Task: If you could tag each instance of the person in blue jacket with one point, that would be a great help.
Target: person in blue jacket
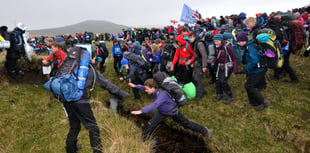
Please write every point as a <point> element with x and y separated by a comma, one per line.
<point>166,107</point>
<point>255,74</point>
<point>117,56</point>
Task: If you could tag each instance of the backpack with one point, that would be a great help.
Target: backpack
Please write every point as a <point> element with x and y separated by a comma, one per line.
<point>210,49</point>
<point>230,40</point>
<point>70,81</point>
<point>296,35</point>
<point>139,61</point>
<point>270,51</point>
<point>17,41</point>
<point>167,54</point>
<point>171,86</point>
<point>103,49</point>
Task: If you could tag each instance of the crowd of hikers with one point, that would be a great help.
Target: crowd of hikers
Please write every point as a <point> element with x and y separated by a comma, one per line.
<point>168,63</point>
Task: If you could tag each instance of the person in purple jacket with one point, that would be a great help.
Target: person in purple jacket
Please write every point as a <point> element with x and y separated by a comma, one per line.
<point>225,62</point>
<point>166,107</point>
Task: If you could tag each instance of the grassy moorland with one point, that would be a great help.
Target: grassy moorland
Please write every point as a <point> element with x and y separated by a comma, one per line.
<point>31,122</point>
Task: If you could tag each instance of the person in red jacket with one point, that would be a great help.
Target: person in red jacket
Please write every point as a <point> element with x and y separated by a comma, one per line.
<point>184,56</point>
<point>57,56</point>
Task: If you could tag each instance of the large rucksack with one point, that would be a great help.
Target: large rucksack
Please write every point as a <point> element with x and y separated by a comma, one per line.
<point>230,40</point>
<point>296,35</point>
<point>171,86</point>
<point>17,41</point>
<point>269,49</point>
<point>104,52</point>
<point>70,81</point>
<point>167,54</point>
<point>138,61</point>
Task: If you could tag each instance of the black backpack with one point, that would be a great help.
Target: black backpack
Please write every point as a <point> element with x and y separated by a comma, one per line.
<point>171,86</point>
<point>17,41</point>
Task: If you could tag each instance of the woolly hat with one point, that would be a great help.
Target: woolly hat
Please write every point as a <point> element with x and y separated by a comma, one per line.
<point>4,28</point>
<point>218,37</point>
<point>242,16</point>
<point>242,37</point>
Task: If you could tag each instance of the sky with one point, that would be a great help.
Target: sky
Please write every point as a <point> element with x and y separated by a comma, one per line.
<point>42,14</point>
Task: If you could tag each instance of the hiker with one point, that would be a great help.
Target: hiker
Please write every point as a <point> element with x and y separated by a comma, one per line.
<point>102,54</point>
<point>137,71</point>
<point>57,57</point>
<point>200,64</point>
<point>15,52</point>
<point>226,62</point>
<point>255,81</point>
<point>156,58</point>
<point>184,57</point>
<point>166,107</point>
<point>81,112</point>
<point>117,55</point>
<point>48,41</point>
<point>146,52</point>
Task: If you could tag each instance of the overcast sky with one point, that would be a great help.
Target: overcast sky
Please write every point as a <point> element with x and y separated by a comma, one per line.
<point>41,14</point>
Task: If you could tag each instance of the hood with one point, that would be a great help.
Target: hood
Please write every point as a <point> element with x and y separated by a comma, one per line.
<point>181,39</point>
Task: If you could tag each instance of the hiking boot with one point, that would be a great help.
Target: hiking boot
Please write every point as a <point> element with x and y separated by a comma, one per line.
<point>198,98</point>
<point>20,72</point>
<point>218,98</point>
<point>208,135</point>
<point>266,103</point>
<point>260,107</point>
<point>228,100</point>
<point>228,97</point>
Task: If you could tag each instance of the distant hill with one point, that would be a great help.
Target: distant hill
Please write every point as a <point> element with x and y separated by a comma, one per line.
<point>96,26</point>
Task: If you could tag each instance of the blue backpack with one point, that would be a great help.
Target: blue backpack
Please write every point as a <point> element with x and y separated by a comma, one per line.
<point>70,81</point>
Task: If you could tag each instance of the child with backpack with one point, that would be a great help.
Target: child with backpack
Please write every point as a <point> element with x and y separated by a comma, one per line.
<point>117,55</point>
<point>137,69</point>
<point>255,74</point>
<point>156,58</point>
<point>184,56</point>
<point>166,107</point>
<point>226,62</point>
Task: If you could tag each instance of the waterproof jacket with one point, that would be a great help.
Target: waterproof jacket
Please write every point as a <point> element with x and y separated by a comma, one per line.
<point>252,58</point>
<point>116,50</point>
<point>184,52</point>
<point>59,57</point>
<point>162,102</point>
